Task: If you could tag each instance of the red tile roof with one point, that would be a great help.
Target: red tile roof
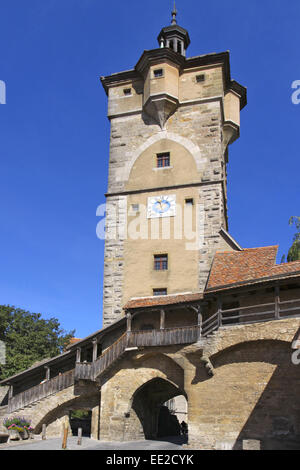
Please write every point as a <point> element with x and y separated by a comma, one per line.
<point>240,267</point>
<point>229,269</point>
<point>158,301</point>
<point>73,341</point>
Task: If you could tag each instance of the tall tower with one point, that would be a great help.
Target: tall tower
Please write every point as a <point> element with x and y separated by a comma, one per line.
<point>172,119</point>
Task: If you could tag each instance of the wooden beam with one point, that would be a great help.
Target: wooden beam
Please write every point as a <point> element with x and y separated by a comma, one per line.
<point>277,302</point>
<point>78,355</point>
<point>199,321</point>
<point>129,321</point>
<point>47,372</point>
<point>220,310</point>
<point>95,349</point>
<point>162,319</point>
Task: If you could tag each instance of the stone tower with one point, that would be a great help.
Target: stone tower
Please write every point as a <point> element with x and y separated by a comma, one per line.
<point>172,119</point>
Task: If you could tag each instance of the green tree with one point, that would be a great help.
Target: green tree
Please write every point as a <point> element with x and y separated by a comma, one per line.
<point>294,251</point>
<point>28,339</point>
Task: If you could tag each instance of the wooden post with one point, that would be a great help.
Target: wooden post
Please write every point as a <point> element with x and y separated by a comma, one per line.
<point>79,442</point>
<point>219,311</point>
<point>199,320</point>
<point>78,355</point>
<point>95,349</point>
<point>47,372</point>
<point>162,319</point>
<point>11,392</point>
<point>129,325</point>
<point>65,436</point>
<point>129,322</point>
<point>277,302</point>
<point>44,428</point>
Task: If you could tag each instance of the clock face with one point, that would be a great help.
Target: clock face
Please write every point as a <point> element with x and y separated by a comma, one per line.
<point>161,206</point>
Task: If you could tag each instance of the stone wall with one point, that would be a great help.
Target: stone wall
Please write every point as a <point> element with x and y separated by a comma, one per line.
<point>252,394</point>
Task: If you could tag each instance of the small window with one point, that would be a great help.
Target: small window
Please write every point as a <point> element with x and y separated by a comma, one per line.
<point>127,91</point>
<point>160,262</point>
<point>200,78</point>
<point>158,73</point>
<point>135,207</point>
<point>163,160</point>
<point>158,292</point>
<point>189,202</point>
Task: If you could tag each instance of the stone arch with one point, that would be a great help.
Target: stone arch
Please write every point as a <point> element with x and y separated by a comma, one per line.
<point>54,418</point>
<point>192,148</point>
<point>164,364</point>
<point>119,421</point>
<point>226,337</point>
<point>54,409</point>
<point>146,404</point>
<point>257,346</point>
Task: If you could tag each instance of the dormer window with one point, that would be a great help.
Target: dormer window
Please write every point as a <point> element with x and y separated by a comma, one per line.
<point>158,73</point>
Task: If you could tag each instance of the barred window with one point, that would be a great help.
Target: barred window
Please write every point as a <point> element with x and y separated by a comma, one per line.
<point>160,262</point>
<point>158,292</point>
<point>163,160</point>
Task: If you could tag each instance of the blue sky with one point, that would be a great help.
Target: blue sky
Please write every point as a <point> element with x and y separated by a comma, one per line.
<point>54,134</point>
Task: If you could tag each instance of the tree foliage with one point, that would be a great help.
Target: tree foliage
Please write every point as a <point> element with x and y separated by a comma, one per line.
<point>294,251</point>
<point>29,338</point>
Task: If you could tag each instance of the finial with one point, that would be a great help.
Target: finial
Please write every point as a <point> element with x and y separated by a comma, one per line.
<point>174,14</point>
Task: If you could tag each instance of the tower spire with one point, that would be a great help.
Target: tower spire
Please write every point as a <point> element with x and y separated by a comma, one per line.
<point>174,14</point>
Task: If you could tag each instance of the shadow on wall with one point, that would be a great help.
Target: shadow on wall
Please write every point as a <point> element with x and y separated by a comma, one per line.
<point>274,420</point>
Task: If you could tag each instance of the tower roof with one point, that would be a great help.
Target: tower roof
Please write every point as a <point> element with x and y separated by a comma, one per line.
<point>173,32</point>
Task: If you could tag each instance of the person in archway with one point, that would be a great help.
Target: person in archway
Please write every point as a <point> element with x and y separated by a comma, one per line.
<point>184,428</point>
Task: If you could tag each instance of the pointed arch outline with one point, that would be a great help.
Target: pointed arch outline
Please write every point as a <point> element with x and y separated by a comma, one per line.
<point>192,148</point>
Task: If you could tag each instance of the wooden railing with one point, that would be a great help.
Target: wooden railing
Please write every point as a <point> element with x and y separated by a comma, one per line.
<point>41,391</point>
<point>165,337</point>
<point>251,314</point>
<point>109,356</point>
<point>169,336</point>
